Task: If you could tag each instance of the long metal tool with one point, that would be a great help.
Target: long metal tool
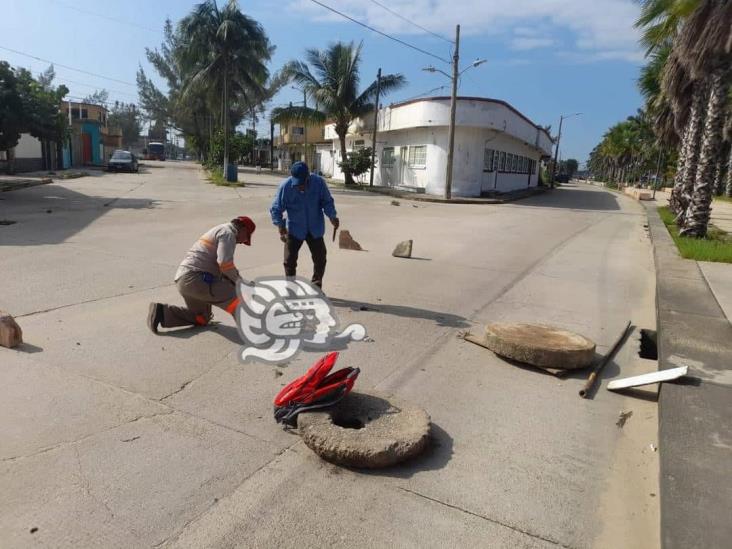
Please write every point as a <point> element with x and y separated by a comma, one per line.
<point>587,389</point>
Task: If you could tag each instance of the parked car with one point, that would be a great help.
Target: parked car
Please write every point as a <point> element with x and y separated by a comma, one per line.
<point>123,161</point>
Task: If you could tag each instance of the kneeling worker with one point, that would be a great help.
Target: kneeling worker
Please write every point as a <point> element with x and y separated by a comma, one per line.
<point>206,276</point>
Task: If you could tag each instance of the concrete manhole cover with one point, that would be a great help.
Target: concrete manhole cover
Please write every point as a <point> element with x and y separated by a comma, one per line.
<point>366,430</point>
<point>538,345</point>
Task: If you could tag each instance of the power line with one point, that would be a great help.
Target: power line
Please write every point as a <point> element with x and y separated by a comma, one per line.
<point>67,67</point>
<point>425,93</point>
<point>412,22</point>
<point>122,21</point>
<point>402,42</point>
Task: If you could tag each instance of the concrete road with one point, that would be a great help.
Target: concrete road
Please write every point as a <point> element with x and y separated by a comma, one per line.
<point>114,437</point>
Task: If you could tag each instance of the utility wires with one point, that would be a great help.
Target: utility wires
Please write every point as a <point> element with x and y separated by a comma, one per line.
<point>395,14</point>
<point>402,42</point>
<point>67,67</point>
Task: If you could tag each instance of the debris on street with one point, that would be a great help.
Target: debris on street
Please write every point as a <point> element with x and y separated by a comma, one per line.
<point>587,389</point>
<point>10,333</point>
<point>346,241</point>
<point>395,203</point>
<point>545,347</point>
<point>403,249</point>
<point>623,417</point>
<point>648,379</point>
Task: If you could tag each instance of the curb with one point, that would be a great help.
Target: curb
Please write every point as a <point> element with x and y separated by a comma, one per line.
<point>695,417</point>
<point>22,184</point>
<point>419,197</point>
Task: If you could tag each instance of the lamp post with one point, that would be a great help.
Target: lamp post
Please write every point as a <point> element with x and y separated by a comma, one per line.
<point>562,118</point>
<point>456,74</point>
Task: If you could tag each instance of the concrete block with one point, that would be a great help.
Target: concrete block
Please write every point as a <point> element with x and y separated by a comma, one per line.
<point>10,333</point>
<point>403,249</point>
<point>366,430</point>
<point>346,241</point>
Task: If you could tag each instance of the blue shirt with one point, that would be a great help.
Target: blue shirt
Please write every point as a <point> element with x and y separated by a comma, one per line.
<point>304,209</point>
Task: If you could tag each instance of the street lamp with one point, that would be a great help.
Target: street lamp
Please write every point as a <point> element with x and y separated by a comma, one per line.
<point>559,137</point>
<point>456,73</point>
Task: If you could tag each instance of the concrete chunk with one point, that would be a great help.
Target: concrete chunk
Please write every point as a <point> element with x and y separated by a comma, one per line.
<point>366,430</point>
<point>538,345</point>
<point>403,249</point>
<point>10,333</point>
<point>346,242</point>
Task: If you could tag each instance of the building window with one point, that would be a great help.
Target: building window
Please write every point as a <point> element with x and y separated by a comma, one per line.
<point>358,144</point>
<point>502,162</point>
<point>514,163</point>
<point>509,162</point>
<point>387,157</point>
<point>496,154</point>
<point>418,156</point>
<point>488,160</point>
<point>84,113</point>
<point>523,165</point>
<point>298,131</point>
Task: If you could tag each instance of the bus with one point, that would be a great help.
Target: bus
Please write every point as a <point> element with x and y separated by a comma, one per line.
<point>155,151</point>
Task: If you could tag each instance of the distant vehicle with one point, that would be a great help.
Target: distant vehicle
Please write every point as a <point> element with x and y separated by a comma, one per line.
<point>123,161</point>
<point>155,151</point>
<point>562,178</point>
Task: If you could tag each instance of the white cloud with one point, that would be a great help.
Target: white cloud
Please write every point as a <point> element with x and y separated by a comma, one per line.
<point>597,28</point>
<point>523,43</point>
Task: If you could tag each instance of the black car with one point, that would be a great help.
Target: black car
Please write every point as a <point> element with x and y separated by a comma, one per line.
<point>123,161</point>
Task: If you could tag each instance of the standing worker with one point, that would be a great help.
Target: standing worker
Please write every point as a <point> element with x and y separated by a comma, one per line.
<point>304,197</point>
<point>206,276</point>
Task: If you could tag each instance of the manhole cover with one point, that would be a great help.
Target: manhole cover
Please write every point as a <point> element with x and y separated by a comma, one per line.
<point>366,430</point>
<point>538,345</point>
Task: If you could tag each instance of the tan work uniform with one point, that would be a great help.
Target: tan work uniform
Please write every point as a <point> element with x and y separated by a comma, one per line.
<point>212,255</point>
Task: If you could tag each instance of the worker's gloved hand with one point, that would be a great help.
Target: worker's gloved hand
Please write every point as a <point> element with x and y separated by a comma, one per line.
<point>283,234</point>
<point>336,222</point>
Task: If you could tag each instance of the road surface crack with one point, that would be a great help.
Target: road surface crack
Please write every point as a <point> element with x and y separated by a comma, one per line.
<point>494,521</point>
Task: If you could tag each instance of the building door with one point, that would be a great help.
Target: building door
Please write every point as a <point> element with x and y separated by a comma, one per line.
<point>403,158</point>
<point>86,148</point>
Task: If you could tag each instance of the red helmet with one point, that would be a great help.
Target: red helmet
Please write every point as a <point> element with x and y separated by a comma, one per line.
<point>249,224</point>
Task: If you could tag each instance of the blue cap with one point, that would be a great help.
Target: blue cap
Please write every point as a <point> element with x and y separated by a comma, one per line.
<point>300,171</point>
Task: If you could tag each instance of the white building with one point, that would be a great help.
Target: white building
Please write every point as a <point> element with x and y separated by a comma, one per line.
<point>497,149</point>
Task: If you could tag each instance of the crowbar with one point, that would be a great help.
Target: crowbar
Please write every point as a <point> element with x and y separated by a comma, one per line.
<point>584,392</point>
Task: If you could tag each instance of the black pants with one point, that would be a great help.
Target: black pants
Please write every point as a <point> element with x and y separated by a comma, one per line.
<point>317,252</point>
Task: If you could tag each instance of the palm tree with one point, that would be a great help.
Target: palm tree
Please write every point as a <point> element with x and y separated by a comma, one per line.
<point>224,52</point>
<point>332,80</point>
<point>704,46</point>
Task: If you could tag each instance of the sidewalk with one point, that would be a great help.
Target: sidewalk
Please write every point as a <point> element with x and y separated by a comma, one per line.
<point>695,417</point>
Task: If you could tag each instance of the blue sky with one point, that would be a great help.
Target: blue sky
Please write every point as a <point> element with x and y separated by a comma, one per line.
<point>545,57</point>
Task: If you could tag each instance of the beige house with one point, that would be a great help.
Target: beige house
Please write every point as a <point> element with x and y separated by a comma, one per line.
<point>297,142</point>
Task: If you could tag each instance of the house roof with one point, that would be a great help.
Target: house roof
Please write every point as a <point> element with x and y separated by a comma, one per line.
<point>481,99</point>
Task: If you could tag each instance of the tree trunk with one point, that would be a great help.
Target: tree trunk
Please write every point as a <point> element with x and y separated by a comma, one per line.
<point>10,154</point>
<point>718,176</point>
<point>344,156</point>
<point>684,186</point>
<point>728,189</point>
<point>696,219</point>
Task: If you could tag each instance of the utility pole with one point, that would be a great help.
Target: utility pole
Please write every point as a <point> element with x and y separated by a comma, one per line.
<point>226,120</point>
<point>556,151</point>
<point>305,127</point>
<point>376,121</point>
<point>271,144</point>
<point>453,107</point>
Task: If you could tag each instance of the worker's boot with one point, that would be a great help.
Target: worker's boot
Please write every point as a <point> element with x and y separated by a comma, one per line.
<point>155,316</point>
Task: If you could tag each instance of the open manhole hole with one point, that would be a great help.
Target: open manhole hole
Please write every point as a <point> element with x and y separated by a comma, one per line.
<point>7,222</point>
<point>648,345</point>
<point>348,422</point>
